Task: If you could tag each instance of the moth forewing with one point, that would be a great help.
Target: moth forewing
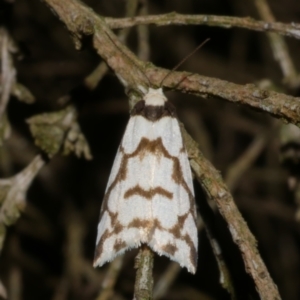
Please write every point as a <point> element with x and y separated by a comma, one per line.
<point>149,197</point>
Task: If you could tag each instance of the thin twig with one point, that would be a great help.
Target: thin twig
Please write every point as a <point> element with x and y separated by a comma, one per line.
<point>185,59</point>
<point>8,72</point>
<point>199,131</point>
<point>291,30</point>
<point>78,274</point>
<point>238,168</point>
<point>166,280</point>
<point>93,79</point>
<point>289,136</point>
<point>75,232</point>
<point>279,47</point>
<point>109,281</point>
<point>3,292</point>
<point>225,276</point>
<point>143,52</point>
<point>143,287</point>
<point>15,284</point>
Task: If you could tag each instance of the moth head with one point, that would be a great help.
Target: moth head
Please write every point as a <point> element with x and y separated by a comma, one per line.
<point>155,97</point>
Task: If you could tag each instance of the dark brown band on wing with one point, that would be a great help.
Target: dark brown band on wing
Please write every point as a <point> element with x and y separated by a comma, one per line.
<point>152,112</point>
<point>148,194</point>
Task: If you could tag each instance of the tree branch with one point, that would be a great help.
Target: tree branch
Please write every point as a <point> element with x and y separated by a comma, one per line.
<point>121,59</point>
<point>291,30</point>
<point>216,190</point>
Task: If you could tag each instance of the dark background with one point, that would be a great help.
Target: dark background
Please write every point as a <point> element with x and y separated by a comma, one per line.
<point>66,196</point>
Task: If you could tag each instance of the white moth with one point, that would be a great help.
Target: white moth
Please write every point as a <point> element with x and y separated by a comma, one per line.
<point>149,197</point>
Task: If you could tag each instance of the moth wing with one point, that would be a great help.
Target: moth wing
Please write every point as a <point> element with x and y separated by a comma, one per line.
<point>149,197</point>
<point>175,234</point>
<point>123,219</point>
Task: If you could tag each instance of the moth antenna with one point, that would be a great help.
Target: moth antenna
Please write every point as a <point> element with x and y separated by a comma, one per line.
<point>185,59</point>
<point>131,60</point>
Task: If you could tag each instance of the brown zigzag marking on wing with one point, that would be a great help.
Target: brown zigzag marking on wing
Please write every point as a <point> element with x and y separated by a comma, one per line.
<point>156,147</point>
<point>137,190</point>
<point>138,223</point>
<point>152,225</point>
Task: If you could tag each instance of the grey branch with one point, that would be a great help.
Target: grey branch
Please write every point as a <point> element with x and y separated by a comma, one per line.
<point>291,30</point>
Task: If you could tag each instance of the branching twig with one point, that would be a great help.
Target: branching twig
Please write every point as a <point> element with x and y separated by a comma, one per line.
<point>279,105</point>
<point>17,187</point>
<point>13,195</point>
<point>216,190</point>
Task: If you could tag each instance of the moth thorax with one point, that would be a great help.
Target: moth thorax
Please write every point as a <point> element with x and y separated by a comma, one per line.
<point>155,97</point>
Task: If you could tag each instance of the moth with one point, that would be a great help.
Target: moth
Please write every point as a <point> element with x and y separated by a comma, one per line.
<point>149,198</point>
